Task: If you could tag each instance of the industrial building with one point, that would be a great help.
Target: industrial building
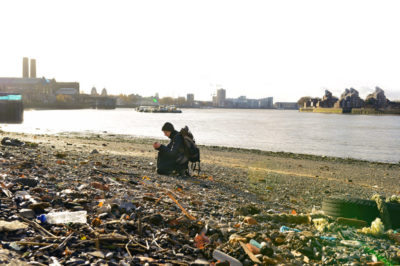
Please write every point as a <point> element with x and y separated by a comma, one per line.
<point>48,93</point>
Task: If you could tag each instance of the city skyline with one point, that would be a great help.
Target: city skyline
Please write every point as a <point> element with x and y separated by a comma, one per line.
<point>260,49</point>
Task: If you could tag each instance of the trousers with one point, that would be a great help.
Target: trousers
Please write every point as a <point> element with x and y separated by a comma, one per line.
<point>166,165</point>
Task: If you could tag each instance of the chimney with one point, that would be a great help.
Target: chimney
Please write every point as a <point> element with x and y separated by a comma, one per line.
<point>25,67</point>
<point>33,68</point>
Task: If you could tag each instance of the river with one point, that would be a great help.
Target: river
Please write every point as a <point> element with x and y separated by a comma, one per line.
<point>374,138</point>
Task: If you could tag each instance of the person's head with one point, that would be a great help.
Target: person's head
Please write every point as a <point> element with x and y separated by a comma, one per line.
<point>167,128</point>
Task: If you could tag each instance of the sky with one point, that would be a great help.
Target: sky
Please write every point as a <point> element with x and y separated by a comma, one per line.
<point>284,49</point>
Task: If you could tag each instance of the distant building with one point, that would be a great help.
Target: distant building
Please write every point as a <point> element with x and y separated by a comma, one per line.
<point>38,91</point>
<point>377,99</point>
<point>33,68</point>
<point>214,100</point>
<point>328,100</point>
<point>67,91</point>
<point>25,67</point>
<point>243,102</point>
<point>266,103</point>
<point>286,105</point>
<point>49,93</point>
<point>221,97</point>
<point>93,92</point>
<point>190,97</point>
<point>104,92</point>
<point>350,99</point>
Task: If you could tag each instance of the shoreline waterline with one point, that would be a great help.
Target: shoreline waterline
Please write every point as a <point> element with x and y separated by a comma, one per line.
<point>359,137</point>
<point>149,141</point>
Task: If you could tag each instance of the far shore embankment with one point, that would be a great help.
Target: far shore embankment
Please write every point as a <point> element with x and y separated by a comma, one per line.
<point>286,178</point>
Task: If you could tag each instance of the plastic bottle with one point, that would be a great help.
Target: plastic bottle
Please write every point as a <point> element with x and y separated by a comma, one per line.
<point>63,217</point>
<point>221,256</point>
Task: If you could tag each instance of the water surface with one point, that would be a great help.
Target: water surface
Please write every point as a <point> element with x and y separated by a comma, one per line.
<point>375,138</point>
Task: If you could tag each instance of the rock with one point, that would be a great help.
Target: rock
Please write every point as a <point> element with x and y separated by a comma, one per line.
<point>27,213</point>
<point>39,207</point>
<point>30,182</point>
<point>249,209</point>
<point>250,220</point>
<point>156,219</point>
<point>11,142</point>
<point>109,255</point>
<point>97,254</point>
<point>267,251</point>
<point>94,151</point>
<point>12,226</point>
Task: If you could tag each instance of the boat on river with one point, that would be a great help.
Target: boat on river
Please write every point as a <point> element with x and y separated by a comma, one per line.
<point>159,109</point>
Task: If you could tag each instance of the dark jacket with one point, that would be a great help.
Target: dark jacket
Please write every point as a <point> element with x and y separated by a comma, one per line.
<point>175,149</point>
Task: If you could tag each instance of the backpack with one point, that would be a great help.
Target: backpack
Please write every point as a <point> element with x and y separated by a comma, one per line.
<point>192,152</point>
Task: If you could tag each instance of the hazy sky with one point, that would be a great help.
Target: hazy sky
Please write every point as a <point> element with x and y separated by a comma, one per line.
<point>284,49</point>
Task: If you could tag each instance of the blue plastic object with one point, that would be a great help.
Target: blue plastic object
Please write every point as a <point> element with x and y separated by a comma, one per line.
<point>11,97</point>
<point>255,243</point>
<point>288,229</point>
<point>42,218</point>
<point>328,238</point>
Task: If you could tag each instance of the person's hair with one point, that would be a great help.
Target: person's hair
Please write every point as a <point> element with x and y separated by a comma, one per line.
<point>168,127</point>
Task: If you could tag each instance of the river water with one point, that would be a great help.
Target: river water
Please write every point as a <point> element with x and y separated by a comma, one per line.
<point>374,138</point>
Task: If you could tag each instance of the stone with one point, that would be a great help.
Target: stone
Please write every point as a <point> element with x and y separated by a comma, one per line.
<point>27,213</point>
<point>30,182</point>
<point>97,254</point>
<point>156,219</point>
<point>12,226</point>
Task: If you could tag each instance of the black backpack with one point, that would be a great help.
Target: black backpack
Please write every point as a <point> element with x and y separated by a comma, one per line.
<point>192,152</point>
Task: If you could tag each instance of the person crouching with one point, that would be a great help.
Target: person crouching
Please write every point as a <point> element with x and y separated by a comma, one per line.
<point>171,157</point>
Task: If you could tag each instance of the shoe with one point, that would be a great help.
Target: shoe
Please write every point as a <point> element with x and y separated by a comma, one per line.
<point>184,173</point>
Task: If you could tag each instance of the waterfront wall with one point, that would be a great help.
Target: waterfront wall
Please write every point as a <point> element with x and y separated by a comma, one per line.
<point>323,110</point>
<point>355,111</point>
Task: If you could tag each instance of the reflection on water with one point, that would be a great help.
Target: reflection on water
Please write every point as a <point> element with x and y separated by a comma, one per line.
<point>356,136</point>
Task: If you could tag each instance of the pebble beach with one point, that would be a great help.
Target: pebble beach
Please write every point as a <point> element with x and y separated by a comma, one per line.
<point>137,217</point>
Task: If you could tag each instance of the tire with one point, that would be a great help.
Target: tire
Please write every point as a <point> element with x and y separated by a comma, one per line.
<point>361,209</point>
<point>394,212</point>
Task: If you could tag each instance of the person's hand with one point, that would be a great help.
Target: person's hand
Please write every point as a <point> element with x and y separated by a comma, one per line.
<point>156,145</point>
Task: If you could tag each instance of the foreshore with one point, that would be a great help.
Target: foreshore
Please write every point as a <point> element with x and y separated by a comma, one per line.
<point>307,178</point>
<point>79,171</point>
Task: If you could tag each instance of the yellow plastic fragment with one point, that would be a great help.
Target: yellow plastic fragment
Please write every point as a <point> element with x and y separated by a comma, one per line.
<point>320,224</point>
<point>377,228</point>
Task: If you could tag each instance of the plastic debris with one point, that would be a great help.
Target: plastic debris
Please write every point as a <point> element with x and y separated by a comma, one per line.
<point>351,243</point>
<point>221,256</point>
<point>201,240</point>
<point>320,224</point>
<point>284,229</point>
<point>255,243</point>
<point>63,217</point>
<point>376,228</point>
<point>331,238</point>
<point>234,238</point>
<point>351,222</point>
